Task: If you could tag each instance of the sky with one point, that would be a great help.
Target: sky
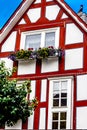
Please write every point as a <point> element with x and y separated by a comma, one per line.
<point>75,5</point>
<point>7,7</point>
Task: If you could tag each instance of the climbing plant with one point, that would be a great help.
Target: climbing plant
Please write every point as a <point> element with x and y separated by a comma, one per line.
<point>13,102</point>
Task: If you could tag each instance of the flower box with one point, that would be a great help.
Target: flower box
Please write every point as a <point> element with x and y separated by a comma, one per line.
<point>41,53</point>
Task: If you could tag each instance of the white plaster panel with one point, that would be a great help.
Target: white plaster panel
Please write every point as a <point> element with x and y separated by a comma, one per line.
<point>8,62</point>
<point>82,87</point>
<point>50,65</point>
<point>17,126</point>
<point>22,22</point>
<point>31,122</point>
<point>52,12</point>
<point>43,90</point>
<point>37,1</point>
<point>33,88</point>
<point>42,122</point>
<point>73,34</point>
<point>74,58</point>
<point>26,67</point>
<point>9,44</point>
<point>81,118</point>
<point>32,96</point>
<point>34,14</point>
<point>64,16</point>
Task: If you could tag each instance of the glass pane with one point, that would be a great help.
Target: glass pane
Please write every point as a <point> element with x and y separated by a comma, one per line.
<point>63,94</point>
<point>54,125</point>
<point>56,86</point>
<point>33,41</point>
<point>50,39</point>
<point>55,95</point>
<point>55,116</point>
<point>63,102</point>
<point>64,85</point>
<point>63,125</point>
<point>55,102</point>
<point>63,116</point>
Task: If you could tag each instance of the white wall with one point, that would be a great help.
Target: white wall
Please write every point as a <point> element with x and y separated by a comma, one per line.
<point>17,126</point>
<point>52,12</point>
<point>73,58</point>
<point>43,90</point>
<point>82,87</point>
<point>50,65</point>
<point>8,62</point>
<point>81,118</point>
<point>73,34</point>
<point>26,67</point>
<point>32,95</point>
<point>42,122</point>
<point>9,44</point>
<point>34,14</point>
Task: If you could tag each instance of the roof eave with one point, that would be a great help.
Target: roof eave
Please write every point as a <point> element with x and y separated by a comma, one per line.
<point>26,4</point>
<point>73,15</point>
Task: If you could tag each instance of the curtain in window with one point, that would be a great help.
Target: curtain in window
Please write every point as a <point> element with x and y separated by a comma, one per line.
<point>50,39</point>
<point>33,41</point>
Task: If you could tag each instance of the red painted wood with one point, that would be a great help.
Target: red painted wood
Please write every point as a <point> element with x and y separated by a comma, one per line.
<point>37,111</point>
<point>85,52</point>
<point>47,103</point>
<point>74,102</point>
<point>44,23</point>
<point>25,125</point>
<point>17,46</point>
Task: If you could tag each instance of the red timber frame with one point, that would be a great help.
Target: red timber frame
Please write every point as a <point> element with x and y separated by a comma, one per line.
<point>44,23</point>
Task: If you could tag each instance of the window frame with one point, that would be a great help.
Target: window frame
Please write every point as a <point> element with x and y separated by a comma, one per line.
<point>42,32</point>
<point>68,109</point>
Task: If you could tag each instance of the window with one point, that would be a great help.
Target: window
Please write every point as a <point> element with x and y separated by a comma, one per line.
<point>33,41</point>
<point>50,39</point>
<point>40,38</point>
<point>60,93</point>
<point>60,105</point>
<point>59,120</point>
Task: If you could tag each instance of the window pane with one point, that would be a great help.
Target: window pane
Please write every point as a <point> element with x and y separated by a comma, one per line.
<point>55,95</point>
<point>63,102</point>
<point>64,85</point>
<point>55,116</point>
<point>50,39</point>
<point>56,86</point>
<point>63,94</point>
<point>63,125</point>
<point>55,102</point>
<point>63,116</point>
<point>54,125</point>
<point>33,41</point>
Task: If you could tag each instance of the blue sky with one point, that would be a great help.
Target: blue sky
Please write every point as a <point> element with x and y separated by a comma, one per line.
<point>75,4</point>
<point>7,7</point>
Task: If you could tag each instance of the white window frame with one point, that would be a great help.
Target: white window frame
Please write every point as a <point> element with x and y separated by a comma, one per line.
<point>68,108</point>
<point>42,32</point>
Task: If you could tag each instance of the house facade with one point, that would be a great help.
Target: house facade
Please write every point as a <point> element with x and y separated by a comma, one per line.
<point>60,85</point>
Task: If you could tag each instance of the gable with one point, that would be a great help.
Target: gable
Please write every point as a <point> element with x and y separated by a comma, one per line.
<point>40,13</point>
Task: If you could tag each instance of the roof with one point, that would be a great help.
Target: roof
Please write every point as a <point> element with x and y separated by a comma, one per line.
<point>23,8</point>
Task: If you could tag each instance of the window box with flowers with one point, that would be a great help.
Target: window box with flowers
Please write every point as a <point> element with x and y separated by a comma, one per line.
<point>41,53</point>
